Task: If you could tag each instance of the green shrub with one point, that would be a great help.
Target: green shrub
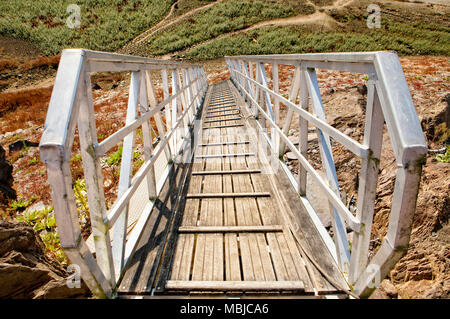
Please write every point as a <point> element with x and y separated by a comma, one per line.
<point>105,24</point>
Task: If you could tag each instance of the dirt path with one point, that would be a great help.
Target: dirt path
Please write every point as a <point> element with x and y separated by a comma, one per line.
<point>156,27</point>
<point>131,46</point>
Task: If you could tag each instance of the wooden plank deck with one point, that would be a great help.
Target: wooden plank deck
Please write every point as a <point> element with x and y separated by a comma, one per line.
<point>230,234</point>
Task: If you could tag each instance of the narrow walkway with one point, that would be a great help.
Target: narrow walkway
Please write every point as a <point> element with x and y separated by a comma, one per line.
<point>230,236</point>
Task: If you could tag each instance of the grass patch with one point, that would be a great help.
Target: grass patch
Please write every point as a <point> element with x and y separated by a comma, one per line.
<point>417,38</point>
<point>106,25</point>
<point>222,18</point>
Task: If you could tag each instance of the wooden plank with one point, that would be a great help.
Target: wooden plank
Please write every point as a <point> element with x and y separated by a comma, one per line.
<point>209,112</point>
<point>243,171</point>
<point>222,195</point>
<point>224,143</point>
<point>232,260</point>
<point>185,247</point>
<point>222,99</point>
<point>230,229</point>
<point>220,115</point>
<point>258,249</point>
<point>243,239</point>
<point>223,126</point>
<point>246,208</point>
<point>222,106</point>
<point>222,119</point>
<point>236,285</point>
<point>266,210</point>
<point>213,267</point>
<point>224,103</point>
<point>225,155</point>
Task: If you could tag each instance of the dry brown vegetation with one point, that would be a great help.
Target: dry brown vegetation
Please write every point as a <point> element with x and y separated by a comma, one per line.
<point>20,107</point>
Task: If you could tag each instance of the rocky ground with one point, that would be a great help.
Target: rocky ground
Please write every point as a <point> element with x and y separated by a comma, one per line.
<point>423,273</point>
<point>26,272</point>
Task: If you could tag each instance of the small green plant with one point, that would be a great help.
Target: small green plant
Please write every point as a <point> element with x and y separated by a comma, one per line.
<point>33,161</point>
<point>444,158</point>
<point>19,205</point>
<point>39,219</point>
<point>43,222</point>
<point>79,189</point>
<point>115,158</point>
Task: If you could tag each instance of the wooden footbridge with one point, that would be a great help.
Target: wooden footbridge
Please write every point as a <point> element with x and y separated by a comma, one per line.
<point>214,210</point>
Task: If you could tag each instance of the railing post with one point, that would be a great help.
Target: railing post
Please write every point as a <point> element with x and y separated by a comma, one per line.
<point>276,89</point>
<point>147,137</point>
<point>373,138</point>
<point>303,131</point>
<point>175,111</point>
<point>94,180</point>
<point>293,93</point>
<point>250,88</point>
<point>187,81</point>
<point>266,98</point>
<point>183,105</point>
<point>195,90</point>
<point>342,246</point>
<point>126,171</point>
<point>152,101</point>
<point>169,123</point>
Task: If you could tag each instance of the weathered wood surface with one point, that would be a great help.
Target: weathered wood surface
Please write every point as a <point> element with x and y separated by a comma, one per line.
<point>231,233</point>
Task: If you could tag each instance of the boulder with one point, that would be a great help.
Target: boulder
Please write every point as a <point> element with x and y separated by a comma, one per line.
<point>26,272</point>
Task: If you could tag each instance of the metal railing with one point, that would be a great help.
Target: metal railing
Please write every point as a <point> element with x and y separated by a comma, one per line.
<point>72,106</point>
<point>388,100</point>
